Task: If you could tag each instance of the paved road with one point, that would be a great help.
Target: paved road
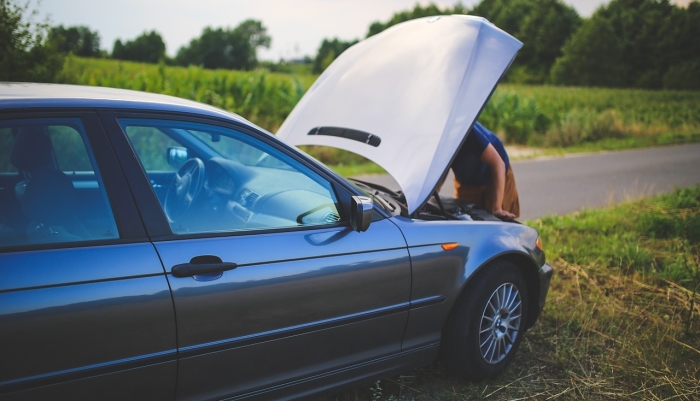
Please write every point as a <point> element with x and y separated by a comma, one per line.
<point>567,184</point>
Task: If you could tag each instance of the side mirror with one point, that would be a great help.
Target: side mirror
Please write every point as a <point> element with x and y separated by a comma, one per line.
<point>177,156</point>
<point>361,211</point>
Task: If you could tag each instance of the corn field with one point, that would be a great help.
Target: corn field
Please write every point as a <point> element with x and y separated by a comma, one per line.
<point>545,116</point>
<point>259,96</point>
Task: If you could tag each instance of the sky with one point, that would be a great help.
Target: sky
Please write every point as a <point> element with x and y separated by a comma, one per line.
<point>297,27</point>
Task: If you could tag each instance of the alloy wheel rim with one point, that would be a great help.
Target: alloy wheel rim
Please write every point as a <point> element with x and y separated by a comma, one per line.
<point>500,323</point>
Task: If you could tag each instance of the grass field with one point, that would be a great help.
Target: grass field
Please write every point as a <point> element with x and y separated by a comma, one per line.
<point>622,319</point>
<point>559,119</point>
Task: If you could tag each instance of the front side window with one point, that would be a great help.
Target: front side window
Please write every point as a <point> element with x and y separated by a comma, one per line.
<point>50,188</point>
<point>213,179</point>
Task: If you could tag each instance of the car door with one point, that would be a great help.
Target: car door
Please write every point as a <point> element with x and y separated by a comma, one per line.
<point>85,308</point>
<point>295,291</point>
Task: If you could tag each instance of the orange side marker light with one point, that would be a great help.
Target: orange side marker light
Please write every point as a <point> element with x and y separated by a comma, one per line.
<point>539,244</point>
<point>449,246</point>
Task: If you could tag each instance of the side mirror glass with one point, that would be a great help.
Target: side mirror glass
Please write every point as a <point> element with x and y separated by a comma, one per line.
<point>177,156</point>
<point>361,212</point>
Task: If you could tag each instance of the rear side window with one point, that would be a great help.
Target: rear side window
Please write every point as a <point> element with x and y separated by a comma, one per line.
<point>50,188</point>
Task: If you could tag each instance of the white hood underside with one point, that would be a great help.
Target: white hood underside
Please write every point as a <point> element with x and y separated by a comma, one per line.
<point>418,86</point>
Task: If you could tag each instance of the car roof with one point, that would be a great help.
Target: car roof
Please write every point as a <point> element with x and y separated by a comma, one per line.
<point>37,96</point>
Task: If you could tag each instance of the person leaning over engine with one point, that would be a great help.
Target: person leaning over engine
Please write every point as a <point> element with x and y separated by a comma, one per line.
<point>484,176</point>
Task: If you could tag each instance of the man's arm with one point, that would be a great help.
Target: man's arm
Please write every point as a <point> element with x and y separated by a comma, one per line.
<point>491,157</point>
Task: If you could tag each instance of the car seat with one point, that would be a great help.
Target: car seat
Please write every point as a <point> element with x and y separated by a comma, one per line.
<point>47,196</point>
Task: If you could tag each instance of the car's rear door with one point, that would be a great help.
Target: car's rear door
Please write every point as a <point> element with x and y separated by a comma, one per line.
<point>308,295</point>
<point>85,308</point>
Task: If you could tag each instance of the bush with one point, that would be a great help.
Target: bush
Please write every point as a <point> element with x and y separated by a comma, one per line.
<point>25,53</point>
<point>659,225</point>
<point>683,76</point>
<point>585,125</point>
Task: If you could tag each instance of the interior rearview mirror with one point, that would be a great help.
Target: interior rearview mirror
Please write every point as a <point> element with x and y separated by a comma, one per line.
<point>361,212</point>
<point>177,156</point>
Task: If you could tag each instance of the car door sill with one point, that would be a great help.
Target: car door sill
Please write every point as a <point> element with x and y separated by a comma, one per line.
<point>337,379</point>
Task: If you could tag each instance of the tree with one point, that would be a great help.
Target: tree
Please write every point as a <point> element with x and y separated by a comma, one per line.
<point>402,16</point>
<point>25,52</point>
<point>639,26</point>
<point>148,48</point>
<point>79,40</point>
<point>329,50</point>
<point>542,25</point>
<point>505,14</point>
<point>543,31</point>
<point>681,38</point>
<point>226,48</point>
<point>591,57</point>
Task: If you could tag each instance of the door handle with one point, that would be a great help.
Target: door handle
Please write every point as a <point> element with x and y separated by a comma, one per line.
<point>205,264</point>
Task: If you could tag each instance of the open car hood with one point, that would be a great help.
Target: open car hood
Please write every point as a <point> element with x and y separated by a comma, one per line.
<point>405,98</point>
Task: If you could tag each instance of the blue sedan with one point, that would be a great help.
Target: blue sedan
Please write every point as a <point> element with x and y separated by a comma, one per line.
<point>155,248</point>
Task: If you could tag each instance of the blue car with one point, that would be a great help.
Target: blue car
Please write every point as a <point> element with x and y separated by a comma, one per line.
<point>156,248</point>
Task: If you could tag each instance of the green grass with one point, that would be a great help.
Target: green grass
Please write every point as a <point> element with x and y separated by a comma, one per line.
<point>621,320</point>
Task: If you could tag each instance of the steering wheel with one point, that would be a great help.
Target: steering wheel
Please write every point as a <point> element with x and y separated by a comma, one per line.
<point>186,186</point>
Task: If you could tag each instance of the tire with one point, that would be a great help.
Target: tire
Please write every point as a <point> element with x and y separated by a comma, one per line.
<point>478,342</point>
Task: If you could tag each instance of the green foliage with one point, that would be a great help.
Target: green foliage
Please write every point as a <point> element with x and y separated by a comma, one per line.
<point>516,117</point>
<point>562,117</point>
<point>79,40</point>
<point>630,43</point>
<point>646,237</point>
<point>6,143</point>
<point>654,36</point>
<point>329,50</point>
<point>685,75</point>
<point>542,25</point>
<point>69,149</point>
<point>226,48</point>
<point>25,52</point>
<point>659,225</point>
<point>260,96</point>
<point>592,57</point>
<point>148,48</point>
<point>533,115</point>
<point>418,11</point>
<point>293,67</point>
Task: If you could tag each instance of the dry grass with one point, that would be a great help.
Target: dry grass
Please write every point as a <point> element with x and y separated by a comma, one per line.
<point>601,337</point>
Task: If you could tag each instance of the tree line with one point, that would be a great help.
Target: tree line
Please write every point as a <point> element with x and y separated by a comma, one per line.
<point>34,51</point>
<point>650,44</point>
<point>626,43</point>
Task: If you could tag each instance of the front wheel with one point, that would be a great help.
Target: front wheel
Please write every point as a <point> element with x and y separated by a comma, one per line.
<point>487,323</point>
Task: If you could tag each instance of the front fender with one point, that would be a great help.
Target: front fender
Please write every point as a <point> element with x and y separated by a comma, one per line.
<point>439,274</point>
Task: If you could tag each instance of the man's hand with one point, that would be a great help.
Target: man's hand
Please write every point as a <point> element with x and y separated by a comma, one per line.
<point>502,214</point>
